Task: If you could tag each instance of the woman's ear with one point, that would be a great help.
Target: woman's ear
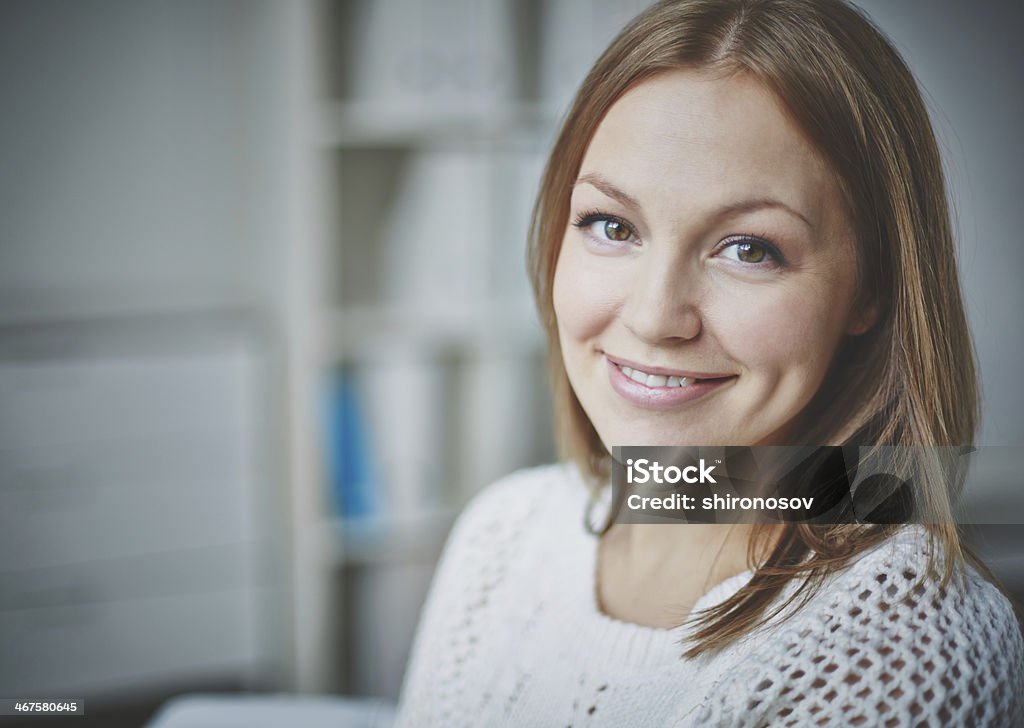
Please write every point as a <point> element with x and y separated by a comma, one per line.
<point>862,318</point>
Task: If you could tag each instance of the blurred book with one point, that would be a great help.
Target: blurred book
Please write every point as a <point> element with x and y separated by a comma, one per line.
<point>452,57</point>
<point>352,477</point>
<point>384,433</point>
<point>434,239</point>
<point>405,410</point>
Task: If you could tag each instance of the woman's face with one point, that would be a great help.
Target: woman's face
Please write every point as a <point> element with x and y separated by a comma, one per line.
<point>707,273</point>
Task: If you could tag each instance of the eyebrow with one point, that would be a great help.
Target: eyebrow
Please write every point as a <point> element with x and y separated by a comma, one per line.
<point>758,203</point>
<point>603,185</point>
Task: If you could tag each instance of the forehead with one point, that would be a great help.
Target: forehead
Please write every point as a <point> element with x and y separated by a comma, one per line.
<point>688,136</point>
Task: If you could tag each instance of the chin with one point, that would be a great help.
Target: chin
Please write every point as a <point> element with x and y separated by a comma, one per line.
<point>655,437</point>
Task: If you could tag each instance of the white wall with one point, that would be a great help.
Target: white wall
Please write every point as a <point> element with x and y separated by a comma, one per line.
<point>138,145</point>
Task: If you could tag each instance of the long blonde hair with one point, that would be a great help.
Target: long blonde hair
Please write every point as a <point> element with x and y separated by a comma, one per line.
<point>906,382</point>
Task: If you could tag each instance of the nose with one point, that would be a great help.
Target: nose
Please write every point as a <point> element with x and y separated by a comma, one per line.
<point>663,303</point>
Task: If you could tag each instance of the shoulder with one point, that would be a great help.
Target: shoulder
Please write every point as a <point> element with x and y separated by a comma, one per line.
<point>478,590</point>
<point>893,581</point>
<point>886,639</point>
<point>516,497</point>
<point>954,649</point>
<point>504,510</point>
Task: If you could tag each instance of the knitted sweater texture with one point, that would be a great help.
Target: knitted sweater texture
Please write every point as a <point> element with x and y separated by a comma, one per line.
<point>511,634</point>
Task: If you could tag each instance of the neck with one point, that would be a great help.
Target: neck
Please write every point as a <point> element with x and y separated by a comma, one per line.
<point>711,548</point>
<point>654,573</point>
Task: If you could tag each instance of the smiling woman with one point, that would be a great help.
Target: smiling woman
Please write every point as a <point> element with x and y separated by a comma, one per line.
<point>741,238</point>
<point>709,242</point>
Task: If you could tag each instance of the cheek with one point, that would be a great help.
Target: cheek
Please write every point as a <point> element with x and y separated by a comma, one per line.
<point>790,332</point>
<point>584,296</point>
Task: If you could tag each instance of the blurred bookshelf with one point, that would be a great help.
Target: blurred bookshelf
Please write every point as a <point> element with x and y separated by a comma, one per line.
<point>425,127</point>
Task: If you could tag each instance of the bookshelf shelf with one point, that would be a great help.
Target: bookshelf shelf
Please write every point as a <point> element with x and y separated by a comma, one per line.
<point>390,539</point>
<point>366,333</point>
<point>356,124</point>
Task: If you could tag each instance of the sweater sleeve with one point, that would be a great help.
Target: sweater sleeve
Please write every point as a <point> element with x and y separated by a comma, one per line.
<point>886,649</point>
<point>461,605</point>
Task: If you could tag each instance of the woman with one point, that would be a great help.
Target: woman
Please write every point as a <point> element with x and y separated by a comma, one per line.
<point>741,238</point>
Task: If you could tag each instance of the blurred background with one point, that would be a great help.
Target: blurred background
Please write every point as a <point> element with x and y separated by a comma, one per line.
<point>265,325</point>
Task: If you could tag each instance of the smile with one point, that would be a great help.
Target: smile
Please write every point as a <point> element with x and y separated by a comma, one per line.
<point>659,389</point>
<point>656,380</point>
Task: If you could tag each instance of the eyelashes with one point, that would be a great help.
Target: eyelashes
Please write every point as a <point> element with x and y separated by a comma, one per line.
<point>751,251</point>
<point>612,224</point>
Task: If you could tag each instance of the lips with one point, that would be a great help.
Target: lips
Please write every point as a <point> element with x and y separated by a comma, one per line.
<point>646,369</point>
<point>659,388</point>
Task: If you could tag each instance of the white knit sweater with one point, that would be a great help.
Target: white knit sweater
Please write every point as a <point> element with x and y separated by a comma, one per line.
<point>511,635</point>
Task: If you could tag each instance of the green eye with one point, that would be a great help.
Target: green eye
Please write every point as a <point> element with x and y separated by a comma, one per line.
<point>750,252</point>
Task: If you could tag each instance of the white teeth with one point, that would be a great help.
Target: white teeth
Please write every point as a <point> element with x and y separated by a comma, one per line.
<point>656,380</point>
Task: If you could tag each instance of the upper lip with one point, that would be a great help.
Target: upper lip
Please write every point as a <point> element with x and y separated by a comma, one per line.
<point>665,371</point>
